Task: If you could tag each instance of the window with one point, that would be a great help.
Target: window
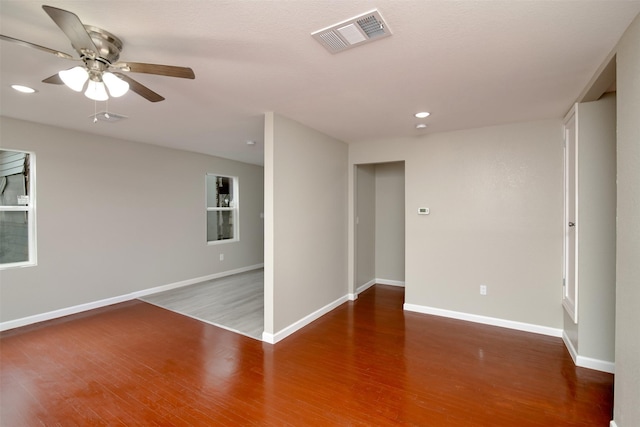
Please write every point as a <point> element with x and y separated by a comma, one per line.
<point>222,208</point>
<point>17,209</point>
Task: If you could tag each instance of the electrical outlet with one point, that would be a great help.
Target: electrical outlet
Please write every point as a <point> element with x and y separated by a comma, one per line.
<point>483,289</point>
<point>221,257</point>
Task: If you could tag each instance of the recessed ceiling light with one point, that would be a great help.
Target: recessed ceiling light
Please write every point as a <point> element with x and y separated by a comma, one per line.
<point>421,126</point>
<point>422,115</point>
<point>23,89</point>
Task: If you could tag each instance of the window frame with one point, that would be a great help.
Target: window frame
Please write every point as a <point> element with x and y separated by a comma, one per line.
<point>30,210</point>
<point>235,209</point>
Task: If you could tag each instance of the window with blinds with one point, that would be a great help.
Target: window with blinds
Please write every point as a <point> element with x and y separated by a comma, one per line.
<point>17,209</point>
<point>222,208</point>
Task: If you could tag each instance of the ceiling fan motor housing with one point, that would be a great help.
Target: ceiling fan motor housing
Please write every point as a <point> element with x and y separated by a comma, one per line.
<point>108,45</point>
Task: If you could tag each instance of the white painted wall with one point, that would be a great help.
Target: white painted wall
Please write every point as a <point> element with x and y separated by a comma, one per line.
<point>627,385</point>
<point>306,218</point>
<point>115,217</point>
<point>495,196</point>
<point>389,226</point>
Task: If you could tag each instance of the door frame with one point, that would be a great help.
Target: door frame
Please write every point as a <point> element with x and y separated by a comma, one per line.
<point>571,224</point>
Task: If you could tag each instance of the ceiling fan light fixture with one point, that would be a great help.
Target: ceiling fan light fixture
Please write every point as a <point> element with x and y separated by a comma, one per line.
<point>74,78</point>
<point>116,86</point>
<point>96,91</point>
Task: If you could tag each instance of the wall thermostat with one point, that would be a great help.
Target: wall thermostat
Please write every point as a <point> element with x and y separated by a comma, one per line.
<point>423,211</point>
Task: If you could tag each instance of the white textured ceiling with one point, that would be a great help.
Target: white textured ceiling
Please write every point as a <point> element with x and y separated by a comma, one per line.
<point>471,63</point>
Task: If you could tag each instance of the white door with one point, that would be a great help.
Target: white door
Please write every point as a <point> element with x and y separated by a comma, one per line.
<point>570,283</point>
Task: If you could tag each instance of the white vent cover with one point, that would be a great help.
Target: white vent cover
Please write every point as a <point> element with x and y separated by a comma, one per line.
<point>105,116</point>
<point>353,32</point>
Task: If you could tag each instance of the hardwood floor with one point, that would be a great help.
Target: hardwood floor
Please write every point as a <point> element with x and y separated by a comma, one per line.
<point>367,363</point>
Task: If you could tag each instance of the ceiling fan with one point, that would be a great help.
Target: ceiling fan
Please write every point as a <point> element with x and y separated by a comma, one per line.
<point>99,51</point>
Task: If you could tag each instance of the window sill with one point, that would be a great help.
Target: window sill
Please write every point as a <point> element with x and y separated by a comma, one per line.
<point>219,242</point>
<point>17,265</point>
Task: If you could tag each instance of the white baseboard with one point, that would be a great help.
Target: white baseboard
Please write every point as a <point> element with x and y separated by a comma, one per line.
<point>613,424</point>
<point>581,361</point>
<point>587,362</point>
<point>569,345</point>
<point>370,283</point>
<point>366,286</point>
<point>388,282</point>
<point>596,364</point>
<point>283,333</point>
<point>510,324</point>
<point>188,282</point>
<point>50,315</point>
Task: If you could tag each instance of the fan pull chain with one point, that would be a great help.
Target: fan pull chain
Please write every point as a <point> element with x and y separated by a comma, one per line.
<point>95,111</point>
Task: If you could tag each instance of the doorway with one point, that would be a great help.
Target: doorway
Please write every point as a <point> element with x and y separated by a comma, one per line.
<point>379,225</point>
<point>569,288</point>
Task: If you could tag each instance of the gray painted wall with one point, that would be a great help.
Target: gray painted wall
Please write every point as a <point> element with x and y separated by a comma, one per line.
<point>305,221</point>
<point>496,203</point>
<point>365,224</point>
<point>627,384</point>
<point>115,217</point>
<point>389,230</point>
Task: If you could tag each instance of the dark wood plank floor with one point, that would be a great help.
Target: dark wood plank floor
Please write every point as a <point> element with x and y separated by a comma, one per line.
<point>367,363</point>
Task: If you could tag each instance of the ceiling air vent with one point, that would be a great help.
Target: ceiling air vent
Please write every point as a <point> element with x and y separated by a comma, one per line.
<point>353,32</point>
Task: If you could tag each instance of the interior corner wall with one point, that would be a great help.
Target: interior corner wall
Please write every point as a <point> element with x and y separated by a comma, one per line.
<point>496,200</point>
<point>308,172</point>
<point>365,224</point>
<point>626,409</point>
<point>115,217</point>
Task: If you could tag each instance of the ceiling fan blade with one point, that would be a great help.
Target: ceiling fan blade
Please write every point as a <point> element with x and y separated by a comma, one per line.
<point>141,89</point>
<point>55,80</point>
<point>71,25</point>
<point>162,70</point>
<point>36,46</point>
